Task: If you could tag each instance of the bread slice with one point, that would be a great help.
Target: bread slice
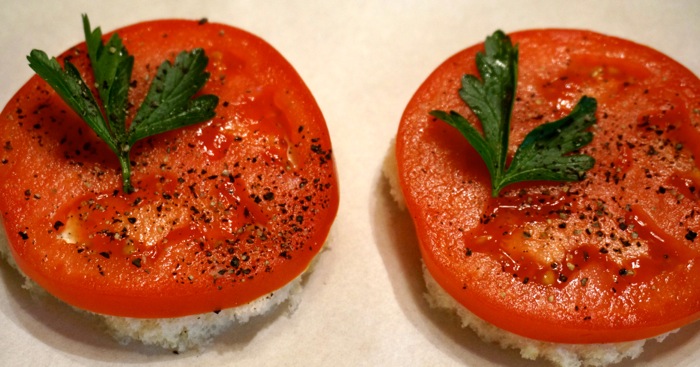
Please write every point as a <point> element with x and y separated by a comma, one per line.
<point>181,333</point>
<point>564,355</point>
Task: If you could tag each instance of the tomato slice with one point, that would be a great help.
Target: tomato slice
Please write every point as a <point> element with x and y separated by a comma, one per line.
<point>224,212</point>
<point>611,258</point>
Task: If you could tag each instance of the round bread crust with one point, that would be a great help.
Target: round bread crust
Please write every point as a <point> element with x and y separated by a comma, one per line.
<point>180,333</point>
<point>224,212</point>
<point>564,355</point>
<point>488,268</point>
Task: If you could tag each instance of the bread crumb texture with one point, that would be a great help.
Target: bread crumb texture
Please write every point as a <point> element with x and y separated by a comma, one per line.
<point>194,331</point>
<point>181,333</point>
<point>564,355</point>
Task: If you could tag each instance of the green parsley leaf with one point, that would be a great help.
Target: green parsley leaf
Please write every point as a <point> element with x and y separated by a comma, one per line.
<point>72,89</point>
<point>168,105</point>
<point>169,102</point>
<point>544,153</point>
<point>112,66</point>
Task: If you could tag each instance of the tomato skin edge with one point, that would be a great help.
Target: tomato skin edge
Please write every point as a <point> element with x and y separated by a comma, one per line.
<point>539,328</point>
<point>144,300</point>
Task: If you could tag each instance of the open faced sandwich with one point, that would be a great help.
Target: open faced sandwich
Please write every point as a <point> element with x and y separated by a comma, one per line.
<point>552,178</point>
<point>174,177</point>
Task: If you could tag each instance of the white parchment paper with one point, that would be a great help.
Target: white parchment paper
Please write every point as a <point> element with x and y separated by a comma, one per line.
<point>363,60</point>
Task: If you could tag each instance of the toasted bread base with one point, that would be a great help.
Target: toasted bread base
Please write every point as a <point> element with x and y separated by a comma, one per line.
<point>180,333</point>
<point>565,355</point>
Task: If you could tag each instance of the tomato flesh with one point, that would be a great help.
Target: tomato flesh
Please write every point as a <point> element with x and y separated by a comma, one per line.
<point>610,258</point>
<point>224,211</point>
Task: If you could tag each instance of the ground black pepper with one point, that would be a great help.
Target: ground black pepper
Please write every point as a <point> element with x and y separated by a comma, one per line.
<point>690,236</point>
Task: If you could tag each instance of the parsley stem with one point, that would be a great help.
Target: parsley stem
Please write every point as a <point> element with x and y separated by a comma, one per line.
<point>549,152</point>
<point>125,164</point>
<point>170,103</point>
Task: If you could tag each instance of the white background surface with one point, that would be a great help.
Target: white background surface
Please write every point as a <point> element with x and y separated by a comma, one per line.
<point>363,60</point>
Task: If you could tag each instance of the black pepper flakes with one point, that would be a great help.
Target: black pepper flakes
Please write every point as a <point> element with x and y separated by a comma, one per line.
<point>24,235</point>
<point>136,262</point>
<point>690,236</point>
<point>193,191</point>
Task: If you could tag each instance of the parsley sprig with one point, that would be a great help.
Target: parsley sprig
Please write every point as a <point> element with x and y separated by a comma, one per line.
<point>544,153</point>
<point>169,103</point>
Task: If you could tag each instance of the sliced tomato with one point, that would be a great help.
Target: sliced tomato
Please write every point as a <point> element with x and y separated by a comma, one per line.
<point>611,258</point>
<point>224,212</point>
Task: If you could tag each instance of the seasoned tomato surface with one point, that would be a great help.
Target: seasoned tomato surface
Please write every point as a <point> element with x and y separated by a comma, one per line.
<point>224,211</point>
<point>611,258</point>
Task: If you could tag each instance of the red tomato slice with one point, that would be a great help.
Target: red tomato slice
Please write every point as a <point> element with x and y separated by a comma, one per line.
<point>225,211</point>
<point>611,258</point>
